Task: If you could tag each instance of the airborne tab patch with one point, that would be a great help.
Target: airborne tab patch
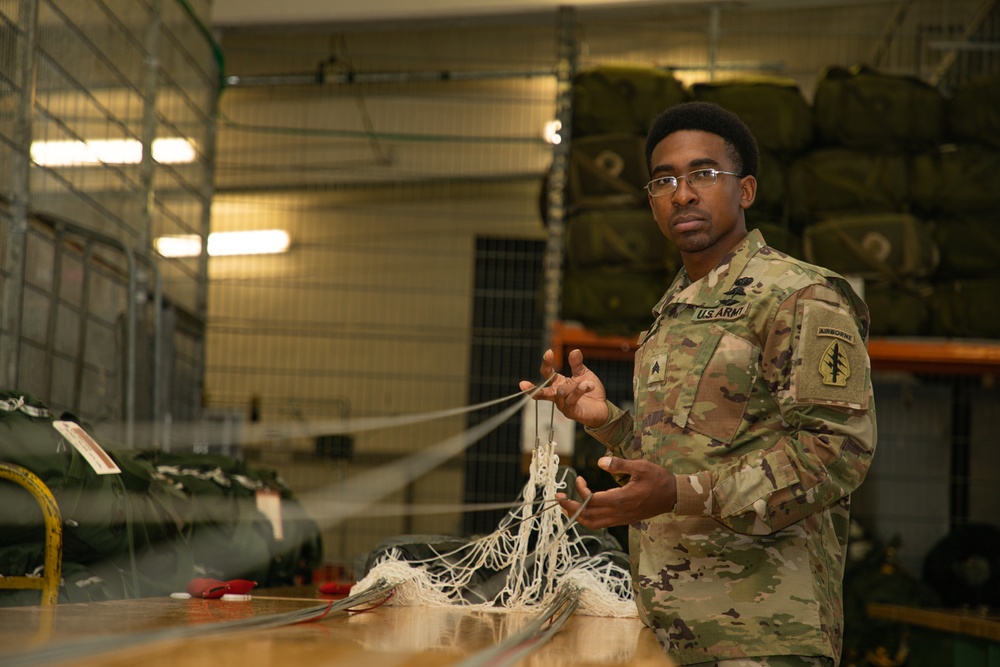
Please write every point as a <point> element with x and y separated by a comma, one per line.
<point>836,333</point>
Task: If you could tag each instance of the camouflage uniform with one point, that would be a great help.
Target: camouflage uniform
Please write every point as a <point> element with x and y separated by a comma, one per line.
<point>753,386</point>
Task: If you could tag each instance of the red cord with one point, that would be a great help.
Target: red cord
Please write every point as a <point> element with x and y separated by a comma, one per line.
<point>361,611</point>
<point>317,618</point>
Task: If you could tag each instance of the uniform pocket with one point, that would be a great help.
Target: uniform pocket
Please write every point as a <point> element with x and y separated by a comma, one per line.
<point>724,381</point>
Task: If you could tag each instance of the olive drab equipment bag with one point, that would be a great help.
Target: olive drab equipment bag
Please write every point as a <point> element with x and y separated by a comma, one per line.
<point>831,182</point>
<point>140,531</point>
<point>970,247</point>
<point>774,109</point>
<point>956,179</point>
<point>780,237</point>
<point>869,110</point>
<point>619,237</point>
<point>974,111</point>
<point>893,247</point>
<point>896,311</point>
<point>771,202</point>
<point>612,300</point>
<point>966,308</point>
<point>607,170</point>
<point>622,98</point>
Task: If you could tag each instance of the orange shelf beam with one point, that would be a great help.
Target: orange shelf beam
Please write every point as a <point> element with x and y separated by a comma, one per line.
<point>566,337</point>
<point>931,355</point>
<point>934,355</point>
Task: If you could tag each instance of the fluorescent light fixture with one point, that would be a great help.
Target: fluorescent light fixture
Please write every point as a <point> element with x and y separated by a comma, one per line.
<point>262,242</point>
<point>110,151</point>
<point>188,245</point>
<point>551,132</point>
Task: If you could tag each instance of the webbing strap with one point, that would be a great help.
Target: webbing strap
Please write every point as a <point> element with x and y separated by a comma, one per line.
<point>12,404</point>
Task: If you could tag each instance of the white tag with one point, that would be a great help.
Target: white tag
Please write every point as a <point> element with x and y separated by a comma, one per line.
<point>88,448</point>
<point>269,504</point>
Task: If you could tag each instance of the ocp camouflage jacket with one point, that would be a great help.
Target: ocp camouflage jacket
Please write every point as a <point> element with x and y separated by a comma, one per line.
<point>753,386</point>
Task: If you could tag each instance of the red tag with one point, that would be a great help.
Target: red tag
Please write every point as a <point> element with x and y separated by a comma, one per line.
<point>213,589</point>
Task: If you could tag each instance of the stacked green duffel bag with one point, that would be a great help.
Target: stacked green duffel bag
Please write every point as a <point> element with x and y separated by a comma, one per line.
<point>894,253</point>
<point>898,165</point>
<point>781,121</point>
<point>863,109</point>
<point>958,186</point>
<point>622,99</point>
<point>851,193</point>
<point>617,262</point>
<point>884,160</point>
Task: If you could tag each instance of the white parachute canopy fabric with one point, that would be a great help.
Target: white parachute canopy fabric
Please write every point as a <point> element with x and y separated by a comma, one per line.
<point>536,547</point>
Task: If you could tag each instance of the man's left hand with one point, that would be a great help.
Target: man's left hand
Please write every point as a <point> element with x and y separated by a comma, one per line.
<point>651,490</point>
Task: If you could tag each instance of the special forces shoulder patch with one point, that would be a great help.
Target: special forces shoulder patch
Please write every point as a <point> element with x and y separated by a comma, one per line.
<point>834,366</point>
<point>833,358</point>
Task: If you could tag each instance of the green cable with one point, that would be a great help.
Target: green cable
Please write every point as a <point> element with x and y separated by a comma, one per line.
<point>220,59</point>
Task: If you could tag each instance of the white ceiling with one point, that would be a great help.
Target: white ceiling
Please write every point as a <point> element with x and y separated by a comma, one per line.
<point>227,13</point>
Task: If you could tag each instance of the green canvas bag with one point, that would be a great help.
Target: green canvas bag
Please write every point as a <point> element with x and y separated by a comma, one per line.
<point>230,538</point>
<point>832,182</point>
<point>869,110</point>
<point>771,202</point>
<point>956,179</point>
<point>619,237</point>
<point>974,111</point>
<point>774,109</point>
<point>120,526</point>
<point>622,98</point>
<point>970,247</point>
<point>607,170</point>
<point>612,300</point>
<point>892,246</point>
<point>897,311</point>
<point>966,308</point>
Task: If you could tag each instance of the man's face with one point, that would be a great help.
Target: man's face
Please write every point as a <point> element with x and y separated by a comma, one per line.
<point>704,222</point>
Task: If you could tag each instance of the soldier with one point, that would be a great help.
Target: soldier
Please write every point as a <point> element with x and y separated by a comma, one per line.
<point>754,421</point>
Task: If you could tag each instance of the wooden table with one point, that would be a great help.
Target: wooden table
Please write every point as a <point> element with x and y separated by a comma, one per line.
<point>388,635</point>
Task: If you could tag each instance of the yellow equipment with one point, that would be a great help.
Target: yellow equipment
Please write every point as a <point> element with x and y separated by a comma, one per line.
<point>48,583</point>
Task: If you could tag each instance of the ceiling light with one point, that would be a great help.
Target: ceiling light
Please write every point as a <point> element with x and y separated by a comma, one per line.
<point>262,242</point>
<point>551,132</point>
<point>109,151</point>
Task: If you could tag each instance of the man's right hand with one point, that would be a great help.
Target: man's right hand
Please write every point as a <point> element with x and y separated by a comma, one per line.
<point>580,397</point>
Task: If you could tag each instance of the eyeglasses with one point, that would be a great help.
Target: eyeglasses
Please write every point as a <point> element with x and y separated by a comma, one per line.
<point>699,178</point>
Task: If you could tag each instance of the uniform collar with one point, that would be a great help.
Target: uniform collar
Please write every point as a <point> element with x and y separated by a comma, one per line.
<point>720,283</point>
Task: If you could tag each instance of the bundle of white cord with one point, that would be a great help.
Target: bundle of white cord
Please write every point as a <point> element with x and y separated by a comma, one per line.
<point>538,549</point>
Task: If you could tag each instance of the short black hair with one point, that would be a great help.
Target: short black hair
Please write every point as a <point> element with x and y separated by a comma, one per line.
<point>707,117</point>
